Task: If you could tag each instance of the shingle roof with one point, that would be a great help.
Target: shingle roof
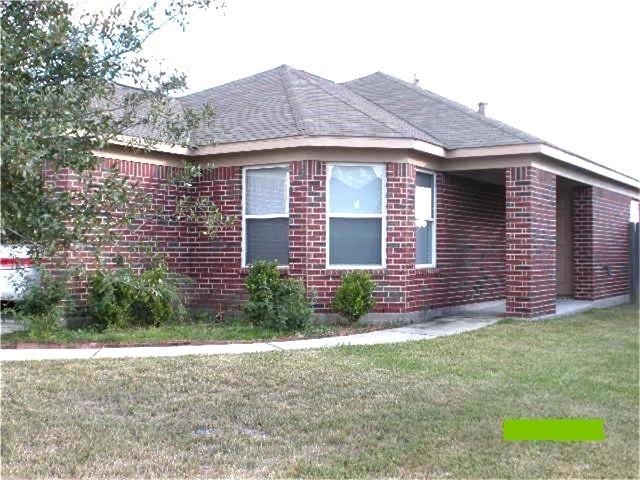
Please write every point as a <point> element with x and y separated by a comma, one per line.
<point>285,102</point>
<point>455,125</point>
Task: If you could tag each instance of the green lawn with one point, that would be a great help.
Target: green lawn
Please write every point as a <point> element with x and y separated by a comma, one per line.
<point>196,332</point>
<point>422,409</point>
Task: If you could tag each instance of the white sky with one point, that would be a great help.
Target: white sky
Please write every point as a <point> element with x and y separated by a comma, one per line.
<point>565,71</point>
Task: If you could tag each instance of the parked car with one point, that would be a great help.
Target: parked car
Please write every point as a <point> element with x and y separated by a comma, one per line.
<point>16,270</point>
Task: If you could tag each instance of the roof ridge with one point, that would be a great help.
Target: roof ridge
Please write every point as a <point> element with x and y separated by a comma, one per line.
<point>314,79</point>
<point>442,142</point>
<point>293,103</point>
<point>237,80</point>
<point>462,108</point>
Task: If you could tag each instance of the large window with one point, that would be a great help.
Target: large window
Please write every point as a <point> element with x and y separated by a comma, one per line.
<point>355,215</point>
<point>266,214</point>
<point>425,219</point>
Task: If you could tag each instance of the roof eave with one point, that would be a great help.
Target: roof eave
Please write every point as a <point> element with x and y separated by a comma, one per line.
<point>391,143</point>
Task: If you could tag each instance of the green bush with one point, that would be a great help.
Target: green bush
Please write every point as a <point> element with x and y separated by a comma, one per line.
<point>42,304</point>
<point>275,302</point>
<point>123,298</point>
<point>354,296</point>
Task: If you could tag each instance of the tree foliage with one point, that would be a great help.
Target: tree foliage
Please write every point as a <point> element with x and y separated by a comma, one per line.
<point>61,102</point>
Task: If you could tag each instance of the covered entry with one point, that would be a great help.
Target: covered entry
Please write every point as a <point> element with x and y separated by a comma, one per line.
<point>564,238</point>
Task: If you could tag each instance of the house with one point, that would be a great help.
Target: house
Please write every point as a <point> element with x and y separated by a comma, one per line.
<point>442,204</point>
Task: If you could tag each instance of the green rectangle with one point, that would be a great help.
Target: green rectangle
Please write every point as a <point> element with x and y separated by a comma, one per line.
<point>554,429</point>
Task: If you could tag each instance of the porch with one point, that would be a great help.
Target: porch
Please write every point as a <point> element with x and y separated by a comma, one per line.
<point>566,244</point>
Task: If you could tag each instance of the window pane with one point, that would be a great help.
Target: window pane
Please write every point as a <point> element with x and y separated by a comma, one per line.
<point>355,241</point>
<point>424,243</point>
<point>266,191</point>
<point>267,239</point>
<point>424,179</point>
<point>356,189</point>
<point>424,196</point>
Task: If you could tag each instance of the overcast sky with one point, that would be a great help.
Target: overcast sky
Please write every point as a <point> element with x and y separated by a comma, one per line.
<point>565,71</point>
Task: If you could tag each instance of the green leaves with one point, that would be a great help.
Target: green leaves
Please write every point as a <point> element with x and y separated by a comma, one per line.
<point>354,296</point>
<point>274,302</point>
<point>123,298</point>
<point>59,103</point>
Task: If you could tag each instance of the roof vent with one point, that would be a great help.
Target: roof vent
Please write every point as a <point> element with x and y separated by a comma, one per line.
<point>416,80</point>
<point>482,108</point>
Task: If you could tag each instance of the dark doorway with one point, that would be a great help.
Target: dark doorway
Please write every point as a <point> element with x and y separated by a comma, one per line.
<point>564,241</point>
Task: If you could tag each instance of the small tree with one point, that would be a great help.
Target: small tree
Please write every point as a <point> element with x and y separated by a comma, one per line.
<point>354,296</point>
<point>60,102</point>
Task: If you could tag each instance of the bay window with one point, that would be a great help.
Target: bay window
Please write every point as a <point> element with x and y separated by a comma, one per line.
<point>355,218</point>
<point>425,219</point>
<point>265,214</point>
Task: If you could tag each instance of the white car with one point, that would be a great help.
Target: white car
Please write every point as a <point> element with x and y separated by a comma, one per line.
<point>16,269</point>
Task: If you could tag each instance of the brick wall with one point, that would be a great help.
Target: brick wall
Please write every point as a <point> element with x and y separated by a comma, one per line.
<point>601,243</point>
<point>471,246</point>
<point>530,241</point>
<point>470,233</point>
<point>582,234</point>
<point>168,238</point>
<point>215,264</point>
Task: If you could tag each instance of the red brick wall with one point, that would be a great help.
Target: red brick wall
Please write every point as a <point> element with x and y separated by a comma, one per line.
<point>214,264</point>
<point>582,234</point>
<point>470,234</point>
<point>530,241</point>
<point>170,239</point>
<point>470,246</point>
<point>601,243</point>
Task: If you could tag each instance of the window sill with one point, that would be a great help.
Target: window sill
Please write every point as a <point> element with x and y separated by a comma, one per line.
<point>426,271</point>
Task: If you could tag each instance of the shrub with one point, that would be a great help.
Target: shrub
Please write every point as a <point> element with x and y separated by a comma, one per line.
<point>122,298</point>
<point>275,302</point>
<point>354,296</point>
<point>41,307</point>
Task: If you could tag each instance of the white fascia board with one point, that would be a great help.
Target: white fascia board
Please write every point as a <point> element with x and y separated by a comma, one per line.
<point>390,143</point>
<point>323,141</point>
<point>588,165</point>
<point>547,151</point>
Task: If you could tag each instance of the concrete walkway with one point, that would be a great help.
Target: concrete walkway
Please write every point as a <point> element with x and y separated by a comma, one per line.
<point>421,331</point>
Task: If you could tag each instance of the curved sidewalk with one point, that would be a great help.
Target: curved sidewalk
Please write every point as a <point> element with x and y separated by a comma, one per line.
<point>421,331</point>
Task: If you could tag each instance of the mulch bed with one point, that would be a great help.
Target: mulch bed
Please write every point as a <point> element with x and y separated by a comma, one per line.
<point>172,343</point>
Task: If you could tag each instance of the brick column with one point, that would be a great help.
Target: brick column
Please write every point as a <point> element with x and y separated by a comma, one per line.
<point>401,236</point>
<point>530,242</point>
<point>583,255</point>
<point>298,199</point>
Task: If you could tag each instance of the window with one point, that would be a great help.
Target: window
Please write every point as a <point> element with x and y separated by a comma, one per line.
<point>266,214</point>
<point>634,212</point>
<point>355,219</point>
<point>425,219</point>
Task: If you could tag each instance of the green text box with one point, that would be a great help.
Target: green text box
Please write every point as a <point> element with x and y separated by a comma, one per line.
<point>554,429</point>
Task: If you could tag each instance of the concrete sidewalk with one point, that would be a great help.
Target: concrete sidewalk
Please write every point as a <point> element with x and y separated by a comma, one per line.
<point>421,331</point>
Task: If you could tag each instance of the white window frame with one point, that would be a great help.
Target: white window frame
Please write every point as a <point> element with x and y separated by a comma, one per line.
<point>382,215</point>
<point>246,216</point>
<point>434,205</point>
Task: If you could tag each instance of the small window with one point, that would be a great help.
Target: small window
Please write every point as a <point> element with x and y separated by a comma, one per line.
<point>355,215</point>
<point>634,211</point>
<point>266,214</point>
<point>425,219</point>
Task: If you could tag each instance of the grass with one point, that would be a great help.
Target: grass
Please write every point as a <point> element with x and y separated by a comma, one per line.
<point>421,409</point>
<point>195,332</point>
